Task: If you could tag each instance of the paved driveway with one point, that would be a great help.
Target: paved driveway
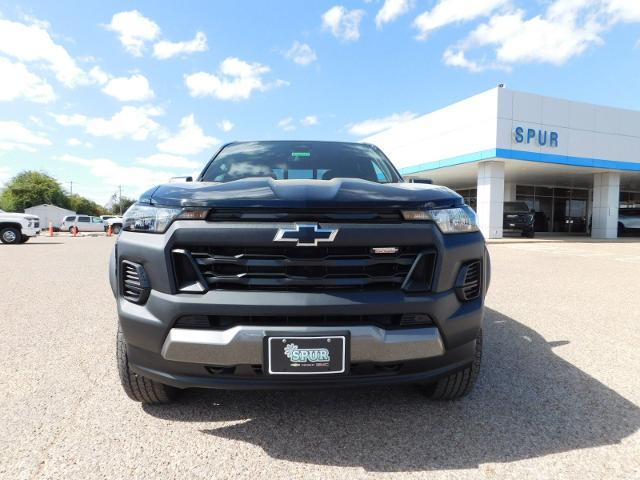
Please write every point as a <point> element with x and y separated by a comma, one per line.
<point>558,396</point>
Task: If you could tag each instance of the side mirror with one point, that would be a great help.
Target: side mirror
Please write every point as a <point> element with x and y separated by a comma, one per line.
<point>180,179</point>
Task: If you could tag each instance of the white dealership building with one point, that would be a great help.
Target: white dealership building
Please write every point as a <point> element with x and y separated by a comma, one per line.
<point>575,163</point>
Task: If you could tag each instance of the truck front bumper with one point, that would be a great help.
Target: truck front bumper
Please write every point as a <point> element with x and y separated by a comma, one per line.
<point>233,358</point>
<point>30,232</point>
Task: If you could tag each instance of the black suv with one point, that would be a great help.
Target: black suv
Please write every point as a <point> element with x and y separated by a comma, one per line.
<point>298,265</point>
<point>518,218</point>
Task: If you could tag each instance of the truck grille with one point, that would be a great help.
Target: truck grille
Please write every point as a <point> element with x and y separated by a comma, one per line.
<point>302,268</point>
<point>223,322</point>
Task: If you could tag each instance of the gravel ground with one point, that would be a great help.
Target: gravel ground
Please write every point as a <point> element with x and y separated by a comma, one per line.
<point>558,396</point>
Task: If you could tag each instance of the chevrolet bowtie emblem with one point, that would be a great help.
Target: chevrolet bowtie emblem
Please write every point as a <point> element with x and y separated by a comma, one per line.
<point>306,235</point>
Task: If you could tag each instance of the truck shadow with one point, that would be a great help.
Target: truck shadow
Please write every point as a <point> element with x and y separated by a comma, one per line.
<point>528,403</point>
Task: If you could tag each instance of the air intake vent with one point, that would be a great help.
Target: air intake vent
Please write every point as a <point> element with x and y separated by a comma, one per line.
<point>469,284</point>
<point>134,282</point>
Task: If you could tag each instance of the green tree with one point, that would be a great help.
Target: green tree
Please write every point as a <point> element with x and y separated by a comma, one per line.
<point>30,188</point>
<point>118,206</point>
<point>84,205</point>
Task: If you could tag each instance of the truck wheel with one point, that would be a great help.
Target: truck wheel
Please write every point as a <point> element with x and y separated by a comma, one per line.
<point>620,229</point>
<point>459,384</point>
<point>24,239</point>
<point>115,229</point>
<point>529,233</point>
<point>137,387</point>
<point>10,235</point>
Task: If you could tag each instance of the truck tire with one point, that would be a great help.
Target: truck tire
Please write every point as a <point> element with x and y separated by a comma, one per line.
<point>137,387</point>
<point>24,239</point>
<point>115,229</point>
<point>459,384</point>
<point>10,235</point>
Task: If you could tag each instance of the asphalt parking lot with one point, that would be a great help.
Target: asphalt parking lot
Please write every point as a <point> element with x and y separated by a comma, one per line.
<point>558,396</point>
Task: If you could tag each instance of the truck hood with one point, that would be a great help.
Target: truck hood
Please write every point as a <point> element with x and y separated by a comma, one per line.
<point>17,216</point>
<point>266,192</point>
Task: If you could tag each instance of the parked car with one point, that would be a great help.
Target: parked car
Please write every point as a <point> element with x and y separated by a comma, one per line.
<point>518,218</point>
<point>85,223</point>
<point>18,227</point>
<point>115,223</point>
<point>628,220</point>
<point>307,265</point>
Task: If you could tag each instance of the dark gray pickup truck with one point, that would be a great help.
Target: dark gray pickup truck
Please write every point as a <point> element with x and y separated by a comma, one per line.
<point>291,264</point>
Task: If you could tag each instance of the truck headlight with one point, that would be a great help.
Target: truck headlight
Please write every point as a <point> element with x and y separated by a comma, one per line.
<point>151,219</point>
<point>449,220</point>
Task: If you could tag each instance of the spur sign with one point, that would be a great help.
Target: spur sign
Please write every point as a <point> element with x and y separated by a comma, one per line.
<point>544,138</point>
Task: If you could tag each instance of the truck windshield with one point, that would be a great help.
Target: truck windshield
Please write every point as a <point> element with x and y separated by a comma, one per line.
<point>282,160</point>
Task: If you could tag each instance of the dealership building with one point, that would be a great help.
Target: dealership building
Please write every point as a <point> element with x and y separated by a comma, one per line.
<point>576,164</point>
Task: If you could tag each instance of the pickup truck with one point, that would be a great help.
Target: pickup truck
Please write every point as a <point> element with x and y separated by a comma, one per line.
<point>115,223</point>
<point>18,227</point>
<point>291,264</point>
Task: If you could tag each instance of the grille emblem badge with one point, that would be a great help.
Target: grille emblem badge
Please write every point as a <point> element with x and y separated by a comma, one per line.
<point>306,235</point>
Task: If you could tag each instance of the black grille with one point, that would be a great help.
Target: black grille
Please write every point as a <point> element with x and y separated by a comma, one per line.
<point>134,283</point>
<point>304,268</point>
<point>223,322</point>
<point>469,281</point>
<point>305,215</point>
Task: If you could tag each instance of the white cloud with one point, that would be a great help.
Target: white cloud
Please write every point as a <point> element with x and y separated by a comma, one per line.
<point>237,80</point>
<point>225,125</point>
<point>286,124</point>
<point>190,140</point>
<point>564,30</point>
<point>33,43</point>
<point>15,136</point>
<point>375,125</point>
<point>309,121</point>
<point>342,23</point>
<point>126,89</point>
<point>454,11</point>
<point>165,49</point>
<point>114,174</point>
<point>391,10</point>
<point>5,175</point>
<point>134,30</point>
<point>99,76</point>
<point>17,82</point>
<point>301,53</point>
<point>75,142</point>
<point>164,160</point>
<point>130,122</point>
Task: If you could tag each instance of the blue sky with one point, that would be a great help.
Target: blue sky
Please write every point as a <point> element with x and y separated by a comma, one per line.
<point>122,93</point>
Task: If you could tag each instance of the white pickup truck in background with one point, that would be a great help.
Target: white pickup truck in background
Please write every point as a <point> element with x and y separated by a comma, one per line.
<point>18,227</point>
<point>115,223</point>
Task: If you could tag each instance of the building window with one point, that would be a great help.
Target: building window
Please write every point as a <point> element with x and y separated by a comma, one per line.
<point>470,196</point>
<point>557,209</point>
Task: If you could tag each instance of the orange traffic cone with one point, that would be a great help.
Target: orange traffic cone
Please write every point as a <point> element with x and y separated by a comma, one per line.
<point>75,230</point>
<point>109,231</point>
<point>50,229</point>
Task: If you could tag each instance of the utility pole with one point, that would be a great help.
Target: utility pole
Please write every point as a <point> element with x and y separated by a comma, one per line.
<point>120,198</point>
<point>71,188</point>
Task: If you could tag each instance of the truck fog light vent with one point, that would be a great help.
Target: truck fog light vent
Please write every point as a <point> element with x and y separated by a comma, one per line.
<point>193,321</point>
<point>416,319</point>
<point>468,283</point>
<point>134,283</point>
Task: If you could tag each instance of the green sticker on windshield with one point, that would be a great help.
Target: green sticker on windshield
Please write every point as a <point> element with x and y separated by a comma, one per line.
<point>300,154</point>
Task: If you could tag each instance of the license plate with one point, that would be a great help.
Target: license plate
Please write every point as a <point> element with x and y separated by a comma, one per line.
<point>306,354</point>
